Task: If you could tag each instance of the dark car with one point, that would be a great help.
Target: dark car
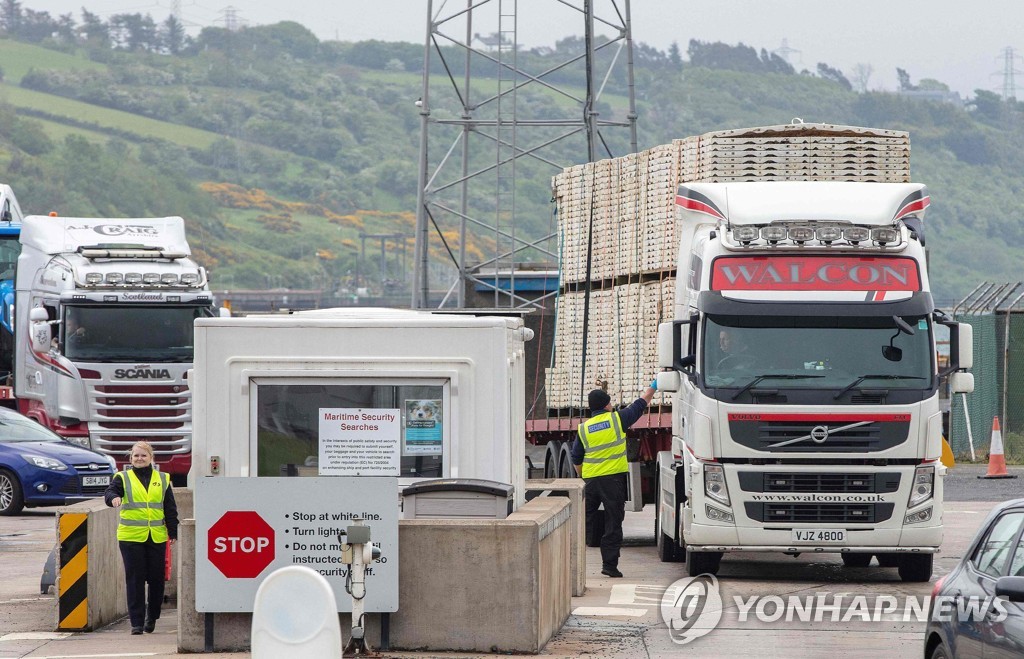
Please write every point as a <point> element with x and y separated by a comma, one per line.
<point>983,596</point>
<point>39,468</point>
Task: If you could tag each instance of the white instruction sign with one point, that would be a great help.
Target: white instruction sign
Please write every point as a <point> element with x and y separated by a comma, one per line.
<point>360,441</point>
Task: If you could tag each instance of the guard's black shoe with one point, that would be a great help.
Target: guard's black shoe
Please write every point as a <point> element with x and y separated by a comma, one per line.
<point>611,572</point>
<point>136,631</point>
<point>150,626</point>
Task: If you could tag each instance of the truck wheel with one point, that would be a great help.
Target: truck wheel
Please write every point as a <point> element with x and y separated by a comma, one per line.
<point>888,560</point>
<point>11,499</point>
<point>566,470</point>
<point>916,567</point>
<point>668,550</point>
<point>703,562</point>
<point>551,459</point>
<point>856,560</point>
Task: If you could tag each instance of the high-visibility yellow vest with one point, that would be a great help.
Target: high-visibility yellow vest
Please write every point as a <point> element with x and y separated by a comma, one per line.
<point>604,445</point>
<point>142,507</point>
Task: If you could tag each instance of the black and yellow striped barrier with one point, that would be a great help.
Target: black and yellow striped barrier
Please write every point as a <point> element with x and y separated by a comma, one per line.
<point>73,588</point>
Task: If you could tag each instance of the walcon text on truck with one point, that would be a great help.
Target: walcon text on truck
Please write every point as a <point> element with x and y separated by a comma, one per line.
<point>105,311</point>
<point>779,273</point>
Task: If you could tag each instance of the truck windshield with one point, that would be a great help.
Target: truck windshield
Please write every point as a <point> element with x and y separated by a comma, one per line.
<point>844,352</point>
<point>129,333</point>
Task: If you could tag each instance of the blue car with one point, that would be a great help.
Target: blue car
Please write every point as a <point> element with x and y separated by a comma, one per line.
<point>977,610</point>
<point>40,468</point>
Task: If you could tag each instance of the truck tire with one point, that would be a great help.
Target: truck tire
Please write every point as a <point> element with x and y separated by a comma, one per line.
<point>668,550</point>
<point>11,499</point>
<point>703,562</point>
<point>554,449</point>
<point>856,560</point>
<point>888,560</point>
<point>566,470</point>
<point>916,568</point>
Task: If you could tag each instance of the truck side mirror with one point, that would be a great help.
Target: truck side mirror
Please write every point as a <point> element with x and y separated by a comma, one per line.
<point>963,340</point>
<point>38,314</point>
<point>39,335</point>
<point>961,382</point>
<point>670,344</point>
<point>668,381</point>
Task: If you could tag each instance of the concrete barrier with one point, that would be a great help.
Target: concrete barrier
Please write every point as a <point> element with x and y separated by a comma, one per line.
<point>90,574</point>
<point>479,585</point>
<point>573,489</point>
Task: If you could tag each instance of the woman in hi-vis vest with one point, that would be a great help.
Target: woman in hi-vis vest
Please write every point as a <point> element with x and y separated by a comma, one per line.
<point>149,520</point>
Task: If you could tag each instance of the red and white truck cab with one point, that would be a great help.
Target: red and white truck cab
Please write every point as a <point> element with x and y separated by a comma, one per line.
<point>804,375</point>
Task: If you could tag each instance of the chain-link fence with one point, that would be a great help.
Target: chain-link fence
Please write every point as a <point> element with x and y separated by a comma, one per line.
<point>998,324</point>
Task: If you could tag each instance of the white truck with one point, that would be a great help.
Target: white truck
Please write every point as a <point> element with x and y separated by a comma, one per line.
<point>804,372</point>
<point>780,273</point>
<point>105,309</point>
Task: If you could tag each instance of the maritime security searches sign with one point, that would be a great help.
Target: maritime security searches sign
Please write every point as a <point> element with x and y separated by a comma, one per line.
<point>359,441</point>
<point>815,273</point>
<point>248,527</point>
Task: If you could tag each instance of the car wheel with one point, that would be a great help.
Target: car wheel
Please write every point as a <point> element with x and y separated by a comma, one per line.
<point>11,499</point>
<point>939,652</point>
<point>916,567</point>
<point>856,560</point>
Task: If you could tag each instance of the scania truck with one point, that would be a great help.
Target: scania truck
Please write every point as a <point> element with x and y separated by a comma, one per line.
<point>104,314</point>
<point>804,376</point>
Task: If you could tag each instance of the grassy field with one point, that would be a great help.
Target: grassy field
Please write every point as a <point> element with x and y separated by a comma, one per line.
<point>17,58</point>
<point>144,127</point>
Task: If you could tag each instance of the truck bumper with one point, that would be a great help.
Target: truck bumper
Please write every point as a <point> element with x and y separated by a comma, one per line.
<point>705,537</point>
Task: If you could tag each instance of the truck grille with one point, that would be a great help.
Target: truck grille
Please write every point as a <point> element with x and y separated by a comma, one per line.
<point>756,481</point>
<point>825,513</point>
<point>804,433</point>
<point>123,414</point>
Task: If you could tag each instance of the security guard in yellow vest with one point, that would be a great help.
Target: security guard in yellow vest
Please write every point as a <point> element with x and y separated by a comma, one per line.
<point>149,520</point>
<point>599,454</point>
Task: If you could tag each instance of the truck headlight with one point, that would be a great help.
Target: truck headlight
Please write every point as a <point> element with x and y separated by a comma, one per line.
<point>919,516</point>
<point>717,515</point>
<point>921,490</point>
<point>714,483</point>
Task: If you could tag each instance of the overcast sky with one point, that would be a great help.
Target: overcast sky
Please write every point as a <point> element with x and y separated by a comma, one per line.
<point>962,44</point>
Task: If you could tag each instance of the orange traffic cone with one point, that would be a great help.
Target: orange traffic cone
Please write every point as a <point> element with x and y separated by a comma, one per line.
<point>996,461</point>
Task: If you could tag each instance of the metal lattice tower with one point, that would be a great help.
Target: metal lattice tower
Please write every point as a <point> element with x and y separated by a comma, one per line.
<point>785,52</point>
<point>1009,84</point>
<point>468,188</point>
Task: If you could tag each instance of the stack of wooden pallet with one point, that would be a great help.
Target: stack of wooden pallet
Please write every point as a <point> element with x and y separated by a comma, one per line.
<point>622,212</point>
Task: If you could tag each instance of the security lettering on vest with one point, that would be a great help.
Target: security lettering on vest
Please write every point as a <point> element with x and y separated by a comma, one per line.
<point>142,373</point>
<point>599,426</point>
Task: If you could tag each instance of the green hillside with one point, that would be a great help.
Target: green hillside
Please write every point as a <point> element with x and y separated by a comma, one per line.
<point>281,150</point>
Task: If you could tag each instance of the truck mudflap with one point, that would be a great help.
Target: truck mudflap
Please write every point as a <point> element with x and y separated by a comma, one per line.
<point>816,549</point>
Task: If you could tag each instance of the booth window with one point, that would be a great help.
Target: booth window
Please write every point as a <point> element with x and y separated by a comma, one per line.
<point>287,416</point>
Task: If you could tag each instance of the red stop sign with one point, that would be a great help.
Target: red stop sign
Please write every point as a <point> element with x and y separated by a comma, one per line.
<point>240,544</point>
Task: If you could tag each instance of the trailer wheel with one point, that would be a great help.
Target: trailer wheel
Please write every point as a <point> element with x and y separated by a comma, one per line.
<point>916,567</point>
<point>551,459</point>
<point>856,560</point>
<point>703,562</point>
<point>565,468</point>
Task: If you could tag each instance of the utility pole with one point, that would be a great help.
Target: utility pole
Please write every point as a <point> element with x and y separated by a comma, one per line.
<point>1009,71</point>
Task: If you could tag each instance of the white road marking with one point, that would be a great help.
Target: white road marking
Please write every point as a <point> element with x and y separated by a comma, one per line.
<point>636,594</point>
<point>34,636</point>
<point>608,611</point>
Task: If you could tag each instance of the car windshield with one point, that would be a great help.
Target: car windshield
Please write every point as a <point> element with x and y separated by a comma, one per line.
<point>22,429</point>
<point>130,333</point>
<point>845,352</point>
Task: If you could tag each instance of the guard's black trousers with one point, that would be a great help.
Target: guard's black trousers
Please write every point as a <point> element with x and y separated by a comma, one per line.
<point>143,565</point>
<point>609,491</point>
